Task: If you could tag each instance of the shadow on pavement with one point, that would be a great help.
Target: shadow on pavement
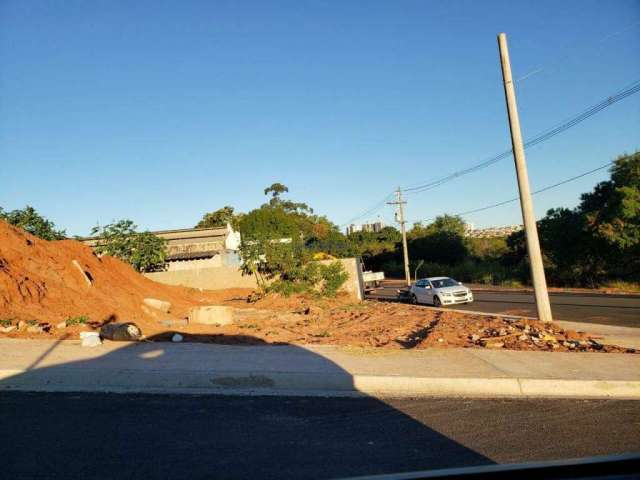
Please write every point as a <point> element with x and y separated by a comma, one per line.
<point>107,435</point>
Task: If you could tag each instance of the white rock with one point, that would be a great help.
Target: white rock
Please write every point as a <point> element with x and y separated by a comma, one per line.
<point>90,339</point>
<point>176,338</point>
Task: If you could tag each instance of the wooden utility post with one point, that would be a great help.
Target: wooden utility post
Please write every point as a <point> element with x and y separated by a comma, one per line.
<point>400,218</point>
<point>526,204</point>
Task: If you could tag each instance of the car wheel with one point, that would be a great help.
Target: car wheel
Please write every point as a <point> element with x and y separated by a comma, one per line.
<point>414,299</point>
<point>436,301</point>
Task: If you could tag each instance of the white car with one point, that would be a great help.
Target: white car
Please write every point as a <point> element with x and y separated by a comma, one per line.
<point>439,291</point>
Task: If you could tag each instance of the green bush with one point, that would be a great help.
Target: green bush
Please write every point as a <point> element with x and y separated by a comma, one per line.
<point>31,221</point>
<point>79,320</point>
<point>332,277</point>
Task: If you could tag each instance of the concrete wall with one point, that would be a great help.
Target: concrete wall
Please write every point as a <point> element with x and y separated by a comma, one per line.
<point>208,278</point>
<point>197,264</point>
<point>203,274</point>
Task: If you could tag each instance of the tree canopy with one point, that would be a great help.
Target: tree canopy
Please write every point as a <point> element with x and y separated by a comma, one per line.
<point>219,218</point>
<point>143,250</point>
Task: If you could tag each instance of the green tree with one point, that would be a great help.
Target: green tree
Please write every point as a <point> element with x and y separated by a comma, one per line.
<point>278,242</point>
<point>31,221</point>
<point>442,241</point>
<point>451,225</point>
<point>142,250</point>
<point>598,240</point>
<point>219,218</point>
<point>612,210</point>
<point>276,190</point>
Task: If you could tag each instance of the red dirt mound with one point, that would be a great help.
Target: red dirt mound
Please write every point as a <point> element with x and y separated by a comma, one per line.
<point>38,280</point>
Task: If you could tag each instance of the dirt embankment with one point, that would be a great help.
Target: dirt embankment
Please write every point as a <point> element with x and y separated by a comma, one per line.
<point>44,281</point>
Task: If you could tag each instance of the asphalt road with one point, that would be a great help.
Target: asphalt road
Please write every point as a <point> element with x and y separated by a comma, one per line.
<point>619,310</point>
<point>64,436</point>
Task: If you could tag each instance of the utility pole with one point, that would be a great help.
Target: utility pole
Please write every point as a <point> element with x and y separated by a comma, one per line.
<point>400,219</point>
<point>526,204</point>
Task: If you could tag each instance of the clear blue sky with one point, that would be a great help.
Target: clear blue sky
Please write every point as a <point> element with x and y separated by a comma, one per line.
<point>160,111</point>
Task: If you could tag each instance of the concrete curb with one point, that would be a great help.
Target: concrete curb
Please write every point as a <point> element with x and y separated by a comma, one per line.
<point>306,384</point>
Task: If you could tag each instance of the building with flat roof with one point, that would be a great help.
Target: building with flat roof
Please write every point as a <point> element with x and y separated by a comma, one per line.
<point>365,227</point>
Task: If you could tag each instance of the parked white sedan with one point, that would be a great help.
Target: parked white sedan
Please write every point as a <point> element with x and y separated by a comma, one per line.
<point>439,291</point>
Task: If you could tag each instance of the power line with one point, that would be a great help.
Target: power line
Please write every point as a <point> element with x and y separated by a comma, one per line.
<point>382,203</point>
<point>542,137</point>
<point>602,40</point>
<point>549,187</point>
<point>631,89</point>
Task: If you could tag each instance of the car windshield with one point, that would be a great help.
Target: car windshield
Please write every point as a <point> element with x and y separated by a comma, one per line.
<point>444,282</point>
<point>199,318</point>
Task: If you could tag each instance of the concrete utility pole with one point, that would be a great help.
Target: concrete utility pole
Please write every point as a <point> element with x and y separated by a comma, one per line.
<point>400,218</point>
<point>526,204</point>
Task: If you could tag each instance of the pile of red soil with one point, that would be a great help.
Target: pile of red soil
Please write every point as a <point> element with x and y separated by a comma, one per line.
<point>39,281</point>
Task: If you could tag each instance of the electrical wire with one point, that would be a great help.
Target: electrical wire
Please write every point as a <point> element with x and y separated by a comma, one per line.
<point>633,88</point>
<point>566,56</point>
<point>549,187</point>
<point>370,210</point>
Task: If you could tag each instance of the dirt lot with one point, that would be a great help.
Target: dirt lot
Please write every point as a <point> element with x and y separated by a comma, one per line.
<point>58,289</point>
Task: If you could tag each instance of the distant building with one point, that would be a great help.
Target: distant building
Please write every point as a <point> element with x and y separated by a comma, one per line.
<point>194,247</point>
<point>492,232</point>
<point>374,227</point>
<point>200,258</point>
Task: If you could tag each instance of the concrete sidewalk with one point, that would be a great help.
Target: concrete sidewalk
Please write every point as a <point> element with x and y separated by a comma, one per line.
<point>41,365</point>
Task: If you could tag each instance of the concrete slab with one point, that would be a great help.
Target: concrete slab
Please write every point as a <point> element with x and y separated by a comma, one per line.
<point>211,315</point>
<point>160,305</point>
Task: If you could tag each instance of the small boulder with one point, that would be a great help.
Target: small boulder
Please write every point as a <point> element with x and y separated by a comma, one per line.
<point>35,329</point>
<point>7,329</point>
<point>177,338</point>
<point>61,325</point>
<point>121,332</point>
<point>90,339</point>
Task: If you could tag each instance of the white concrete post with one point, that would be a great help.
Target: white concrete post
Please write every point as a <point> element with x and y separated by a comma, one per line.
<point>526,204</point>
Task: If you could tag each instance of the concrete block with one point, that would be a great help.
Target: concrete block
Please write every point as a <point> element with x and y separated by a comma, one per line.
<point>211,315</point>
<point>161,305</point>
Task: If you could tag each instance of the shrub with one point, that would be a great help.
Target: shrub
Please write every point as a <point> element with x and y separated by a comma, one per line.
<point>332,277</point>
<point>79,320</point>
<point>31,221</point>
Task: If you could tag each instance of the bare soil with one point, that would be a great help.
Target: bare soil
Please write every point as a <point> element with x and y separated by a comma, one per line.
<point>40,287</point>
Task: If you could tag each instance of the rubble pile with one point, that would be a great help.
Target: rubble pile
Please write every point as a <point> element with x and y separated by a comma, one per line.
<point>516,334</point>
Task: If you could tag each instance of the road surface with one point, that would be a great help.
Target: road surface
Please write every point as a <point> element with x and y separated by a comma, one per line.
<point>88,436</point>
<point>618,310</point>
